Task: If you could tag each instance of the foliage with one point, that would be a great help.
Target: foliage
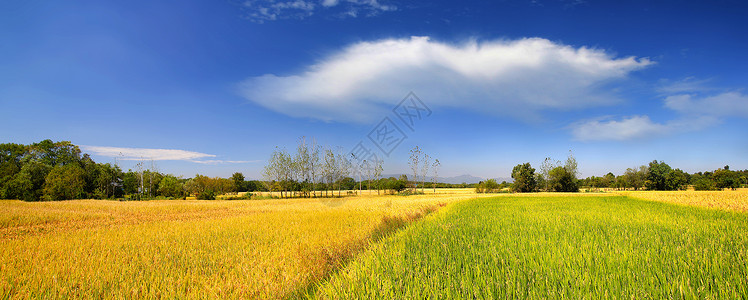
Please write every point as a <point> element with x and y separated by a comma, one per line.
<point>208,194</point>
<point>561,180</point>
<point>487,186</point>
<point>65,182</point>
<point>239,183</point>
<point>524,178</point>
<point>171,186</point>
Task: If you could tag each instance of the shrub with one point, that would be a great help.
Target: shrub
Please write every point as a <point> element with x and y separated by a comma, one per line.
<point>207,195</point>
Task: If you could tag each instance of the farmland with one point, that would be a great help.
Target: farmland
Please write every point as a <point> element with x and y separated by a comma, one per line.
<point>556,247</point>
<point>217,249</point>
<point>453,243</point>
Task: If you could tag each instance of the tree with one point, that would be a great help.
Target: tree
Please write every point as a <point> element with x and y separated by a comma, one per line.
<point>343,169</point>
<point>659,177</point>
<point>378,169</point>
<point>238,179</point>
<point>488,186</point>
<point>65,182</point>
<point>678,179</point>
<point>29,183</point>
<point>424,170</point>
<point>11,156</point>
<point>726,179</point>
<point>329,168</point>
<point>562,180</point>
<point>415,156</point>
<point>314,166</point>
<point>524,178</point>
<point>435,167</point>
<point>545,170</point>
<point>635,177</point>
<point>171,186</point>
<point>704,184</point>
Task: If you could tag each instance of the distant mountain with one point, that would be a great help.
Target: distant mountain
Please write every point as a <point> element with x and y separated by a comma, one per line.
<point>466,178</point>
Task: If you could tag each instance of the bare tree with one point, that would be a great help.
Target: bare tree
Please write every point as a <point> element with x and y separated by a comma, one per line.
<point>435,167</point>
<point>343,168</point>
<point>314,166</point>
<point>378,172</point>
<point>271,172</point>
<point>424,171</point>
<point>356,168</point>
<point>328,168</point>
<point>369,174</point>
<point>302,163</point>
<point>415,155</point>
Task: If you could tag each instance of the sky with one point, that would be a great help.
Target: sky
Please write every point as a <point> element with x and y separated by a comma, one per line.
<point>213,87</point>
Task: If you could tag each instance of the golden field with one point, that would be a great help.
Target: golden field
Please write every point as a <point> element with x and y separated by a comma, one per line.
<point>275,248</point>
<point>726,200</point>
<point>194,249</point>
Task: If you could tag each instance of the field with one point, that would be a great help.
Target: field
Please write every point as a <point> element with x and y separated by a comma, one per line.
<point>450,244</point>
<point>215,249</point>
<point>724,200</point>
<point>556,247</point>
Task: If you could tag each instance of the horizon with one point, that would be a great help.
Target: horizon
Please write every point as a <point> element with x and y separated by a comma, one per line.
<point>214,88</point>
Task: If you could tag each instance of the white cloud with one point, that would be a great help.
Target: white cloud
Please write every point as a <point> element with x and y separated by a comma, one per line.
<point>269,10</point>
<point>686,85</point>
<point>636,127</point>
<point>729,104</point>
<point>155,154</point>
<point>515,78</point>
<point>214,162</point>
<point>632,127</point>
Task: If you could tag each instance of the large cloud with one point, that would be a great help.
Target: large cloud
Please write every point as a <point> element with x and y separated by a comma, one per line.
<point>517,78</point>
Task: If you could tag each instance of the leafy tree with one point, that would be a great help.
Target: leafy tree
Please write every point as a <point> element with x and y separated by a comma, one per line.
<point>11,156</point>
<point>657,176</point>
<point>131,182</point>
<point>30,180</point>
<point>54,153</point>
<point>678,179</point>
<point>524,178</point>
<point>704,184</point>
<point>635,177</point>
<point>207,195</point>
<point>487,186</point>
<point>238,179</point>
<point>562,180</point>
<point>65,182</point>
<point>726,179</point>
<point>171,186</point>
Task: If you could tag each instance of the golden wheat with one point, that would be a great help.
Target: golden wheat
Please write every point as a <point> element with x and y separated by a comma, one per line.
<point>726,200</point>
<point>194,249</point>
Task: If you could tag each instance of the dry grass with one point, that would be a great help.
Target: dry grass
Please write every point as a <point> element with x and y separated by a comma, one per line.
<point>215,249</point>
<point>726,200</point>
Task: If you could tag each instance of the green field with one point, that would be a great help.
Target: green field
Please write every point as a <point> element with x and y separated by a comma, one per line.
<point>555,247</point>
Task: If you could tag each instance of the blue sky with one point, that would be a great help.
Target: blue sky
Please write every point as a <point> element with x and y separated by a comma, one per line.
<point>219,84</point>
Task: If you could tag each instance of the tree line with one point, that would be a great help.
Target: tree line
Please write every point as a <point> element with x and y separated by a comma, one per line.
<point>50,170</point>
<point>655,176</point>
<point>314,170</point>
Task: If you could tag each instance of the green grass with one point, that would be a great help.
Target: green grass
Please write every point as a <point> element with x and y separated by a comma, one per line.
<point>556,247</point>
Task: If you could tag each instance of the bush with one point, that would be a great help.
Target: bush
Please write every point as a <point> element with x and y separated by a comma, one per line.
<point>207,195</point>
<point>409,192</point>
<point>246,196</point>
<point>705,184</point>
